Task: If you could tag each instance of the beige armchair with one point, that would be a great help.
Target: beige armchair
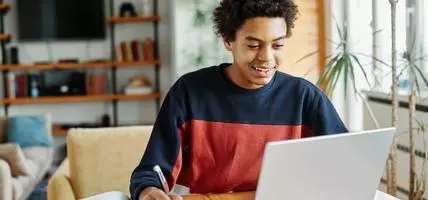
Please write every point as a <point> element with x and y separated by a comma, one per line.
<point>99,160</point>
<point>37,161</point>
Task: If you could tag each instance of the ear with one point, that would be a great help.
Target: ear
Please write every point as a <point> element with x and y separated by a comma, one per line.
<point>227,44</point>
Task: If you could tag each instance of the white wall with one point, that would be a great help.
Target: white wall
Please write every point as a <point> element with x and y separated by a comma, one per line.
<point>128,112</point>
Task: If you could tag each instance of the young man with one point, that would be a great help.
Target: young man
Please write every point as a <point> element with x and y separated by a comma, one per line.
<point>214,123</point>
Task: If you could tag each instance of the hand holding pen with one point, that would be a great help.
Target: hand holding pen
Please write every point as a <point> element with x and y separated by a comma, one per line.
<point>153,193</point>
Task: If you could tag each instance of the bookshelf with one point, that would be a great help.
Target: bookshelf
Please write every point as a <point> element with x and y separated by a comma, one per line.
<point>4,37</point>
<point>81,65</point>
<point>4,7</point>
<point>112,65</point>
<point>137,19</point>
<point>82,98</point>
<point>112,21</point>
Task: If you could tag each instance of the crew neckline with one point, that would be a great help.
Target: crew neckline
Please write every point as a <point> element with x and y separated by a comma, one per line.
<point>236,88</point>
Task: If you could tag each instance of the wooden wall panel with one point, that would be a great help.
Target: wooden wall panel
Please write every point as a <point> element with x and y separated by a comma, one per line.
<point>306,38</point>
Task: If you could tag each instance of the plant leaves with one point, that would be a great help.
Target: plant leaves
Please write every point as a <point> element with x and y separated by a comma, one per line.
<point>307,56</point>
<point>339,67</point>
<point>402,71</point>
<point>326,70</point>
<point>334,76</point>
<point>421,74</point>
<point>345,77</point>
<point>374,58</point>
<point>418,89</point>
<point>339,31</point>
<point>362,69</point>
<point>352,74</point>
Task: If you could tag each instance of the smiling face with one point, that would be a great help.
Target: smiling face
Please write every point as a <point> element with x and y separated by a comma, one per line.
<point>258,50</point>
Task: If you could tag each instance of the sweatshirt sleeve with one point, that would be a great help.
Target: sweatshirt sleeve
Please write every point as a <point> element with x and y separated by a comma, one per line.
<point>163,149</point>
<point>323,118</point>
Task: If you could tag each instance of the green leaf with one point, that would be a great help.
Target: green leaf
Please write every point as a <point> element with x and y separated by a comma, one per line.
<point>421,58</point>
<point>374,58</point>
<point>362,69</point>
<point>326,70</point>
<point>401,72</point>
<point>421,74</point>
<point>418,89</point>
<point>339,67</point>
<point>331,76</point>
<point>339,31</point>
<point>345,76</point>
<point>307,56</point>
<point>352,74</point>
<point>331,41</point>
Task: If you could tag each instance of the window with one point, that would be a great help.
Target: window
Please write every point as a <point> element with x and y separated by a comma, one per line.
<point>412,32</point>
<point>424,18</point>
<point>382,23</point>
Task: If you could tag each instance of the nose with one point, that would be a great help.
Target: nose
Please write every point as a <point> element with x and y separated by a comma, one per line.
<point>265,54</point>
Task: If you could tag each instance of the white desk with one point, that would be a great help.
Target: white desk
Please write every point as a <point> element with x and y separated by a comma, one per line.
<point>383,196</point>
<point>120,196</point>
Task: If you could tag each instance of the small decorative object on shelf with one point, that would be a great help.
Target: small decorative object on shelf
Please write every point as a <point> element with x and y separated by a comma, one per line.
<point>4,7</point>
<point>146,8</point>
<point>43,63</point>
<point>13,55</point>
<point>138,84</point>
<point>5,37</point>
<point>105,120</point>
<point>34,85</point>
<point>127,9</point>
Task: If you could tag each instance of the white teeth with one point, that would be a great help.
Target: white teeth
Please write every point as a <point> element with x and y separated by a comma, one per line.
<point>261,69</point>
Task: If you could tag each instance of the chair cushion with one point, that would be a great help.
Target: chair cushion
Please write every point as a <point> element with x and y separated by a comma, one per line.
<point>102,160</point>
<point>20,185</point>
<point>13,155</point>
<point>28,131</point>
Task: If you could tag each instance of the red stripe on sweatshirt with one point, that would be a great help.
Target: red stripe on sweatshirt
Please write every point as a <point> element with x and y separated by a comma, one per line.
<point>226,157</point>
<point>179,161</point>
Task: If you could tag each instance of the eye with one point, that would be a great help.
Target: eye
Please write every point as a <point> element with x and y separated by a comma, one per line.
<point>278,46</point>
<point>253,46</point>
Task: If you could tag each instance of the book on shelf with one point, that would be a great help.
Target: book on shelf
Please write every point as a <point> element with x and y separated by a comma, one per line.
<point>22,85</point>
<point>135,50</point>
<point>96,83</point>
<point>11,86</point>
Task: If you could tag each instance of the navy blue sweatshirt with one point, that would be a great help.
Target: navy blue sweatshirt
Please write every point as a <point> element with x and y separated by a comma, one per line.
<point>210,133</point>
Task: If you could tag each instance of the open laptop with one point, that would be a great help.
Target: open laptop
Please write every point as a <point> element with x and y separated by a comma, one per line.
<point>334,167</point>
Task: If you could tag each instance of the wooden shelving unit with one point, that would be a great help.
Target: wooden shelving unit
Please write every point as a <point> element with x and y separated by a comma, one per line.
<point>58,99</point>
<point>110,64</point>
<point>136,19</point>
<point>125,97</point>
<point>59,132</point>
<point>4,37</point>
<point>4,7</point>
<point>82,65</point>
<point>85,98</point>
<point>136,63</point>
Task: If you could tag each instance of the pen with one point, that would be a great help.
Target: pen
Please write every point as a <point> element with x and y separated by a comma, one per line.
<point>161,177</point>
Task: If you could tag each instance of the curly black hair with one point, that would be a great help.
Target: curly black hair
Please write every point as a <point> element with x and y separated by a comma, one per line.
<point>230,15</point>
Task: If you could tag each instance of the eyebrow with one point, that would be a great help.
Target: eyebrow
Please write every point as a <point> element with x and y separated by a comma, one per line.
<point>259,40</point>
